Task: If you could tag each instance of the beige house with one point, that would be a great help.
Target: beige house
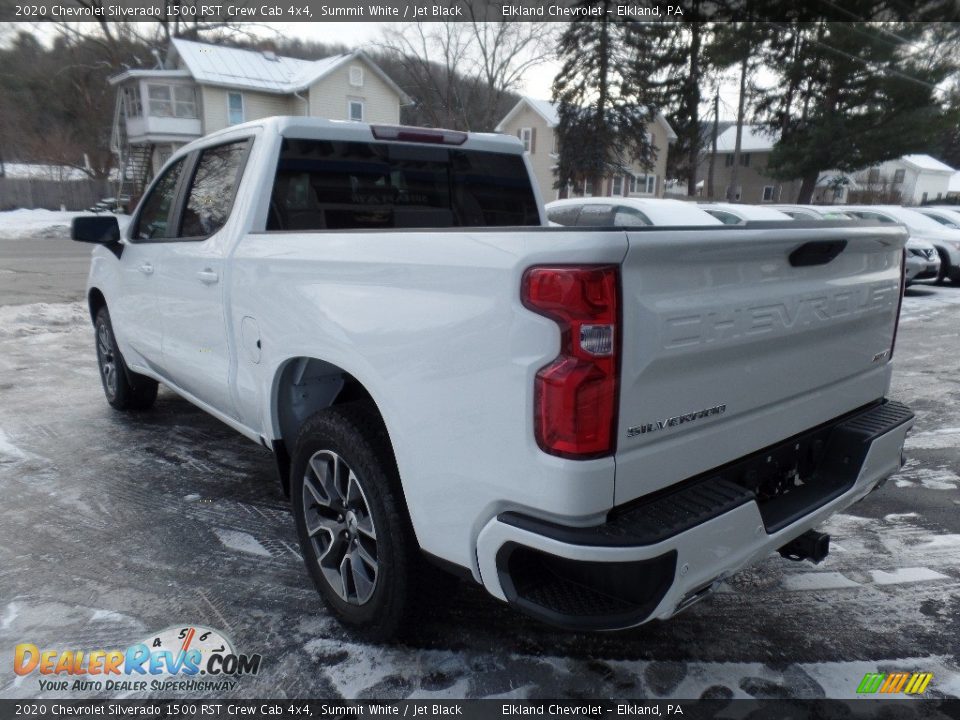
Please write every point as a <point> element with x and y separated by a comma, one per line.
<point>754,186</point>
<point>202,88</point>
<point>534,122</point>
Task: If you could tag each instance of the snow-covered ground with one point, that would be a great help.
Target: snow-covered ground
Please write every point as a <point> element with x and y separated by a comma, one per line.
<point>27,224</point>
<point>116,526</point>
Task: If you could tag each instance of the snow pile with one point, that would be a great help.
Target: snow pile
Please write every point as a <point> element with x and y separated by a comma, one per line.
<point>39,318</point>
<point>25,224</point>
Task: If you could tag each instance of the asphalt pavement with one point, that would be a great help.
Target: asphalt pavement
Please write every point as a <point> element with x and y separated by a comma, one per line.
<point>114,527</point>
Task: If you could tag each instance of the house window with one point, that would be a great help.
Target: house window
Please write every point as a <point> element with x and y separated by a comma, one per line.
<point>617,185</point>
<point>356,76</point>
<point>161,103</point>
<point>171,101</point>
<point>728,160</point>
<point>588,188</point>
<point>526,137</point>
<point>898,175</point>
<point>643,184</point>
<point>745,159</point>
<point>132,106</point>
<point>184,101</point>
<point>873,176</point>
<point>234,108</point>
<point>355,110</point>
<point>768,193</point>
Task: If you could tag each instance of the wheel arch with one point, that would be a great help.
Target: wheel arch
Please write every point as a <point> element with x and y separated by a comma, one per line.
<point>95,301</point>
<point>301,387</point>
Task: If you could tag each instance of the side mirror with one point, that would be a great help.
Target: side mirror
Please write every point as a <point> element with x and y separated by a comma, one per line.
<point>96,229</point>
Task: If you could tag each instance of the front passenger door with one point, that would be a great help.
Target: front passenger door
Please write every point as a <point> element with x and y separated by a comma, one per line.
<point>135,315</point>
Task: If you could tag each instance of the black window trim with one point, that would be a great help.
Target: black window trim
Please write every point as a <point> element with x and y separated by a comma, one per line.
<point>180,193</point>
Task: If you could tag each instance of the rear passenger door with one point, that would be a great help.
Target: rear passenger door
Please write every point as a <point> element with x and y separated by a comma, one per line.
<point>190,287</point>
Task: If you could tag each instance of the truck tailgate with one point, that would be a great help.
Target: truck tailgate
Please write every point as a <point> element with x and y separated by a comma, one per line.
<point>729,345</point>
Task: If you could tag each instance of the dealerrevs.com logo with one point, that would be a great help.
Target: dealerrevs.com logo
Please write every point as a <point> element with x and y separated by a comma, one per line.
<point>183,658</point>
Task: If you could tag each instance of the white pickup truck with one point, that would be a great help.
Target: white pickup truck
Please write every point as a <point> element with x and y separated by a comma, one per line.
<point>598,425</point>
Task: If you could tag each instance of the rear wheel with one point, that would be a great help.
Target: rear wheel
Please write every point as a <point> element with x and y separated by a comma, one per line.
<point>125,389</point>
<point>358,544</point>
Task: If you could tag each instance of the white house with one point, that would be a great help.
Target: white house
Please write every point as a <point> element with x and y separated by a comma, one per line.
<point>534,122</point>
<point>917,178</point>
<point>202,88</point>
<point>953,188</point>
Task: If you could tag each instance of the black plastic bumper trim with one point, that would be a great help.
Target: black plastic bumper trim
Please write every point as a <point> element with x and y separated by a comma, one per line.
<point>581,594</point>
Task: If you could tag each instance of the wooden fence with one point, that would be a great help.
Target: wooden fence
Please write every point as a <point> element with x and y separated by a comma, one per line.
<point>34,193</point>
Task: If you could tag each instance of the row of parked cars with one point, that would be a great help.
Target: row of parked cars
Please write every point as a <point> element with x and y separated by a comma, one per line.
<point>933,250</point>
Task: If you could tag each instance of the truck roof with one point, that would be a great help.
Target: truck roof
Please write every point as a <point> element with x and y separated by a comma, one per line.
<point>313,128</point>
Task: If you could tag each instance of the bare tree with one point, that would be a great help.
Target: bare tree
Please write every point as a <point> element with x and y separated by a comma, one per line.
<point>461,74</point>
<point>432,56</point>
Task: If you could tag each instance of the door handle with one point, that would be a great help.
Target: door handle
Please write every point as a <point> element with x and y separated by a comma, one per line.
<point>146,268</point>
<point>208,276</point>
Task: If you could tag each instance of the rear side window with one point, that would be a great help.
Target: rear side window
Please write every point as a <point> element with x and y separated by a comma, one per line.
<point>212,189</point>
<point>153,222</point>
<point>337,185</point>
<point>564,215</point>
<point>724,217</point>
<point>596,216</point>
<point>629,217</point>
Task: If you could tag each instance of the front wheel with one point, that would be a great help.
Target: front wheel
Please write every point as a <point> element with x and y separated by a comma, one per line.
<point>125,389</point>
<point>358,544</point>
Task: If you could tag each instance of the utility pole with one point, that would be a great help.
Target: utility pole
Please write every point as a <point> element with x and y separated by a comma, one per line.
<point>713,154</point>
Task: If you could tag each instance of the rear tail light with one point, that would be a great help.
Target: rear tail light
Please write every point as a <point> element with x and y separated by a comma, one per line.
<point>903,287</point>
<point>575,396</point>
<point>416,134</point>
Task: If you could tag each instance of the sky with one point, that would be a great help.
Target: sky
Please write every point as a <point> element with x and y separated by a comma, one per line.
<point>537,82</point>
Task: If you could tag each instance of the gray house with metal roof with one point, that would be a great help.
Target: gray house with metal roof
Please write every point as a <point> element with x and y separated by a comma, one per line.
<point>202,88</point>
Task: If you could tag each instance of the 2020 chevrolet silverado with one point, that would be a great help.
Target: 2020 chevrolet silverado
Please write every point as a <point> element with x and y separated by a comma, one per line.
<point>598,425</point>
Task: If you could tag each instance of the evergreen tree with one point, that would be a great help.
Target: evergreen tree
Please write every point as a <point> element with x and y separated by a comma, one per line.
<point>603,95</point>
<point>850,95</point>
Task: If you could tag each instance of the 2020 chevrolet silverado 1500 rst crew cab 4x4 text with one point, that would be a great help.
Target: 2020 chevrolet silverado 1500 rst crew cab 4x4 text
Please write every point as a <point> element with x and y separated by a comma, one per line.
<point>597,424</point>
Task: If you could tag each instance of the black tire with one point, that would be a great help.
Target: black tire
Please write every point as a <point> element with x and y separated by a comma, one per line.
<point>354,434</point>
<point>125,389</point>
<point>944,267</point>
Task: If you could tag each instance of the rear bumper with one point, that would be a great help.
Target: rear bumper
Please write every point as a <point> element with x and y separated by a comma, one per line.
<point>656,556</point>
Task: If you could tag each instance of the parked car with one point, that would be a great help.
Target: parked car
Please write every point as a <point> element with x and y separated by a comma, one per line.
<point>626,212</point>
<point>947,216</point>
<point>598,425</point>
<point>736,214</point>
<point>812,212</point>
<point>922,227</point>
<point>922,261</point>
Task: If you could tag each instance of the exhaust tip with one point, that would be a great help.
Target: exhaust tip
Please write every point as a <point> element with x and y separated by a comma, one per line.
<point>812,545</point>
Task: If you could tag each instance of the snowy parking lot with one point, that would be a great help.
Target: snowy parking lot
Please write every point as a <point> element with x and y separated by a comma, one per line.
<point>115,527</point>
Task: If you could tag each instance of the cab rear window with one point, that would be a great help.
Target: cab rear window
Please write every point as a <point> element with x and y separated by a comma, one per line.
<point>337,185</point>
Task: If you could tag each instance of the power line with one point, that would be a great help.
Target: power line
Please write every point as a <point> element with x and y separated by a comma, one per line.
<point>866,63</point>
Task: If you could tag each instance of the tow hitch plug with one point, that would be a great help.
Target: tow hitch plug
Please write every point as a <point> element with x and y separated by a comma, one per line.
<point>812,545</point>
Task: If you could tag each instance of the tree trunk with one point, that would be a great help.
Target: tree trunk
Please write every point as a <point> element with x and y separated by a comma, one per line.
<point>713,143</point>
<point>807,185</point>
<point>741,107</point>
<point>694,108</point>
